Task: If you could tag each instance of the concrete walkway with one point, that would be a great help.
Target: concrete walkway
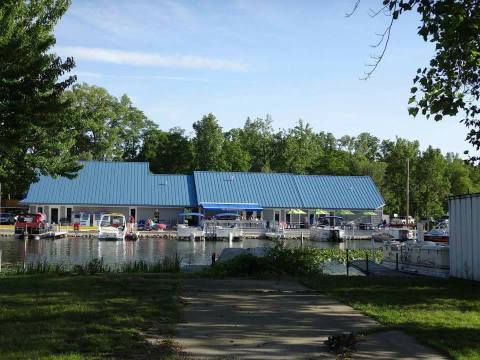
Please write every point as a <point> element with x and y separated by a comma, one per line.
<point>255,319</point>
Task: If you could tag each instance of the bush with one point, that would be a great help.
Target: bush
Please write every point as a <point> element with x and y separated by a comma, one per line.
<point>284,260</point>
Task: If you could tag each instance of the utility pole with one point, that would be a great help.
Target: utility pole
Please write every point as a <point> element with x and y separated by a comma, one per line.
<point>408,187</point>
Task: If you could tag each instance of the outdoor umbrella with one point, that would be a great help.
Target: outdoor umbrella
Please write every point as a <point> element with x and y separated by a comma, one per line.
<point>345,212</point>
<point>370,213</point>
<point>321,212</point>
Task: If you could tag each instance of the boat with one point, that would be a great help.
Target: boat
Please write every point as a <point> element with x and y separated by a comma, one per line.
<point>112,227</point>
<point>417,256</point>
<point>324,231</point>
<point>438,234</point>
<point>389,233</point>
<point>229,228</point>
<point>31,226</point>
<point>190,230</point>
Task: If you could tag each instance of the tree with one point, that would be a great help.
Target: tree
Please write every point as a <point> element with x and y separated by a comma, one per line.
<point>208,144</point>
<point>107,128</point>
<point>394,188</point>
<point>167,152</point>
<point>450,85</point>
<point>301,150</point>
<point>34,136</point>
<point>237,158</point>
<point>257,137</point>
<point>431,184</point>
<point>458,174</point>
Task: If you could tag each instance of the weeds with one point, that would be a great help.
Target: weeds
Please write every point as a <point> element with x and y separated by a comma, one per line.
<point>284,260</point>
<point>166,265</point>
<point>98,266</point>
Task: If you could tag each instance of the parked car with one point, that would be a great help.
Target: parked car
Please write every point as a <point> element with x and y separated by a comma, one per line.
<point>7,219</point>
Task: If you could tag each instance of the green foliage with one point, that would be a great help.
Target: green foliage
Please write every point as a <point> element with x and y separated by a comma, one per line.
<point>166,265</point>
<point>208,144</point>
<point>106,128</point>
<point>285,260</point>
<point>167,152</point>
<point>98,266</point>
<point>449,85</point>
<point>34,136</point>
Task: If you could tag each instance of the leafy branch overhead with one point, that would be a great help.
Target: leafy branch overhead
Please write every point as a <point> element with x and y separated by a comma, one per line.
<point>450,84</point>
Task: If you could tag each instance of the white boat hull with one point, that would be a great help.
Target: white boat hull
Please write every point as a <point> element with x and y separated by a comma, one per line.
<point>226,233</point>
<point>326,234</point>
<point>186,232</point>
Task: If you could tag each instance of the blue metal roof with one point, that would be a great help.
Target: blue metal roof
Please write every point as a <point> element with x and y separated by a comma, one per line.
<point>131,183</point>
<point>266,189</point>
<point>273,190</point>
<point>114,183</point>
<point>338,192</point>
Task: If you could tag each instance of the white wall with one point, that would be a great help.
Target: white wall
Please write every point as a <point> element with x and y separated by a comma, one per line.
<point>464,227</point>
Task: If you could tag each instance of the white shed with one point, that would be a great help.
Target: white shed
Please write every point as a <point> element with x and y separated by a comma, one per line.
<point>464,227</point>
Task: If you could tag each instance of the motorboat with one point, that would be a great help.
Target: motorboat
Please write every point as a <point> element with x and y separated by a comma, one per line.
<point>112,227</point>
<point>326,230</point>
<point>31,225</point>
<point>190,226</point>
<point>438,234</point>
<point>417,253</point>
<point>389,233</point>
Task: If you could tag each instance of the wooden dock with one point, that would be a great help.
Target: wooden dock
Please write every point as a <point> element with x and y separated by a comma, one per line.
<point>374,269</point>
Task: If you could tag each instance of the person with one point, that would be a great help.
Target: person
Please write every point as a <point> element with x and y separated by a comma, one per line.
<point>149,223</point>
<point>131,223</point>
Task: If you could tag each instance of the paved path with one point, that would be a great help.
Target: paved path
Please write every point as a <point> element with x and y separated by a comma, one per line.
<point>255,319</point>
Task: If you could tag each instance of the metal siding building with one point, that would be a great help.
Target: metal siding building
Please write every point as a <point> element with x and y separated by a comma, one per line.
<point>266,189</point>
<point>130,186</point>
<point>464,228</point>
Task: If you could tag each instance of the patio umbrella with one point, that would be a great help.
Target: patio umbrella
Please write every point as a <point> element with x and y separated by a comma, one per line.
<point>369,213</point>
<point>345,212</point>
<point>321,212</point>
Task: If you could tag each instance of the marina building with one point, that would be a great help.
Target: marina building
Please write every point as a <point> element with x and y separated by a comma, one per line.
<point>130,188</point>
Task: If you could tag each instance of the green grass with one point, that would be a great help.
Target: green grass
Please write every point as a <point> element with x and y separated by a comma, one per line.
<point>444,314</point>
<point>88,317</point>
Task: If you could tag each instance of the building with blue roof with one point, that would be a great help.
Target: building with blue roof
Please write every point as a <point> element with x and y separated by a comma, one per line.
<point>130,188</point>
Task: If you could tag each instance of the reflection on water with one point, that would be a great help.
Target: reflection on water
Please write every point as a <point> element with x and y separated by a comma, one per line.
<point>79,250</point>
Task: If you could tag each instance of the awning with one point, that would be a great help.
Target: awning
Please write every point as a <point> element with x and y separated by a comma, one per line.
<point>231,206</point>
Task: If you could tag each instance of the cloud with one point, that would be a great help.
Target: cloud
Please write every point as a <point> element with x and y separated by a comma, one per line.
<point>98,75</point>
<point>150,59</point>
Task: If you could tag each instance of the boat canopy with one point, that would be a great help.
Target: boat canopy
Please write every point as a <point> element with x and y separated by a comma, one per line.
<point>190,214</point>
<point>231,206</point>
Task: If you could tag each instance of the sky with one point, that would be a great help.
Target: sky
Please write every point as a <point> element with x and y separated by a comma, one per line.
<point>179,60</point>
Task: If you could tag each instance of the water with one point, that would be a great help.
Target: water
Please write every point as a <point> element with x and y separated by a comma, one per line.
<point>70,251</point>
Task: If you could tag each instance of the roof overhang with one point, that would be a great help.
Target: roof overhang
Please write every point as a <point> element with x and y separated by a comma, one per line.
<point>231,206</point>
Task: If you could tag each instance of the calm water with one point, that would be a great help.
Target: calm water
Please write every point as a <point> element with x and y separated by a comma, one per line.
<point>79,250</point>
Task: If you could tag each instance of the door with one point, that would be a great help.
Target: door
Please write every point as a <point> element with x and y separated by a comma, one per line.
<point>133,212</point>
<point>54,216</point>
<point>69,215</point>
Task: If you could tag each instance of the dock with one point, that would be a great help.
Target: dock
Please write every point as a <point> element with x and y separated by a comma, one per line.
<point>374,269</point>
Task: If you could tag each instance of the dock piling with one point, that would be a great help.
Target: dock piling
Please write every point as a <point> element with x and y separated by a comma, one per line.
<point>348,263</point>
<point>366,262</point>
<point>396,261</point>
<point>213,258</point>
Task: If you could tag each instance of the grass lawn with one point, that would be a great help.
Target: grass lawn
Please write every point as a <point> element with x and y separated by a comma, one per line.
<point>85,317</point>
<point>444,314</point>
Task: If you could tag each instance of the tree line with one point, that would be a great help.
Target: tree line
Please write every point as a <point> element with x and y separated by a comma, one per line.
<point>47,125</point>
<point>110,128</point>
